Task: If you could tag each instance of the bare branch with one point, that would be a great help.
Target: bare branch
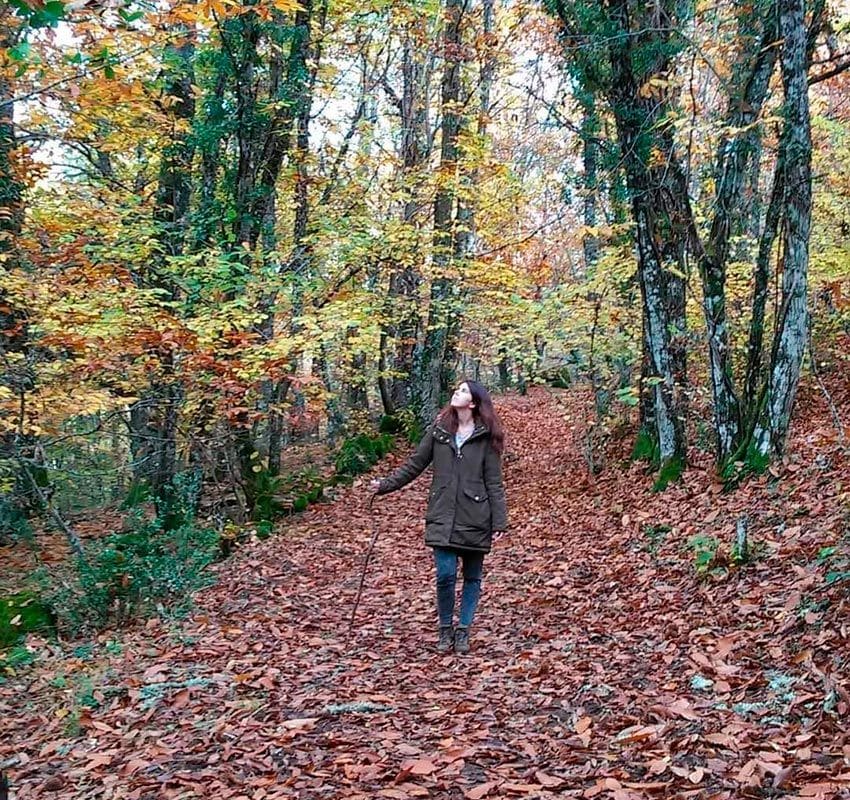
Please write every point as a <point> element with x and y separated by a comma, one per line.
<point>830,73</point>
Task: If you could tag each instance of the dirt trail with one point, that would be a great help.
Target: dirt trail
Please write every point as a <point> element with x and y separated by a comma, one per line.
<point>600,667</point>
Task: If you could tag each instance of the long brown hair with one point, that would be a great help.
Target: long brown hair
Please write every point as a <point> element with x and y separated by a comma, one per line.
<point>483,412</point>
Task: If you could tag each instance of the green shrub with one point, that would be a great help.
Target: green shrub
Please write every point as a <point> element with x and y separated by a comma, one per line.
<point>14,524</point>
<point>837,561</point>
<point>747,461</point>
<point>646,448</point>
<point>178,503</point>
<point>403,423</point>
<point>705,550</point>
<point>14,659</point>
<point>390,423</point>
<point>24,613</point>
<point>360,453</point>
<point>139,494</point>
<point>670,472</point>
<point>655,536</point>
<point>265,528</point>
<point>562,380</point>
<point>266,488</point>
<point>134,572</point>
<point>296,490</point>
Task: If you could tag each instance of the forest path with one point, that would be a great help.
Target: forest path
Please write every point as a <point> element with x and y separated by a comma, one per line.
<point>601,666</point>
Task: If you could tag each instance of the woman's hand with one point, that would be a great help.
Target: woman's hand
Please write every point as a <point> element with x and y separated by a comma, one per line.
<point>499,535</point>
<point>374,485</point>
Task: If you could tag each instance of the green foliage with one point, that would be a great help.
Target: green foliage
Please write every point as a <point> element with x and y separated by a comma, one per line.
<point>13,521</point>
<point>40,15</point>
<point>139,494</point>
<point>177,504</point>
<point>15,658</point>
<point>705,552</point>
<point>265,490</point>
<point>655,536</point>
<point>646,447</point>
<point>670,472</point>
<point>737,468</point>
<point>559,378</point>
<point>741,555</point>
<point>299,489</point>
<point>404,422</point>
<point>390,423</point>
<point>837,561</point>
<point>361,452</point>
<point>628,396</point>
<point>275,496</point>
<point>135,572</point>
<point>24,613</point>
<point>264,528</point>
<point>83,468</point>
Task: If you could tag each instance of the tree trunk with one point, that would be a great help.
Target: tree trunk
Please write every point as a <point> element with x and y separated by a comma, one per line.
<point>175,176</point>
<point>430,368</point>
<point>590,127</point>
<point>243,35</point>
<point>301,74</point>
<point>735,156</point>
<point>761,287</point>
<point>646,401</point>
<point>16,444</point>
<point>405,280</point>
<point>154,418</point>
<point>669,424</point>
<point>464,224</point>
<point>639,117</point>
<point>792,325</point>
<point>754,389</point>
<point>11,202</point>
<point>12,327</point>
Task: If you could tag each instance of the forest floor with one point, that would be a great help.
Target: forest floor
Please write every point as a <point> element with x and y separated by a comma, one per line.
<point>603,664</point>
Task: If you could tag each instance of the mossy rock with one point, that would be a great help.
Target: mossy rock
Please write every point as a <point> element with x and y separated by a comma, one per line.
<point>24,613</point>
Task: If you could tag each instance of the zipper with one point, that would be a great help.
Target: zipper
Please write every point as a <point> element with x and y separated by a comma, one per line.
<point>473,435</point>
<point>458,457</point>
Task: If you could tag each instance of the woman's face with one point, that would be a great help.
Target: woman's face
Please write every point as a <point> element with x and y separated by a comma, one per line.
<point>462,398</point>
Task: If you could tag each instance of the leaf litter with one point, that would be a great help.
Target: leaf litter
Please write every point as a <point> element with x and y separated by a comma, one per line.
<point>603,665</point>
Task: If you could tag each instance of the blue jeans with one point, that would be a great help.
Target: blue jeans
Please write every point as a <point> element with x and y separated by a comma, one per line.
<point>446,563</point>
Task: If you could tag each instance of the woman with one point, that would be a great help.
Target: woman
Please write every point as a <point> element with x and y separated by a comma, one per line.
<point>466,506</point>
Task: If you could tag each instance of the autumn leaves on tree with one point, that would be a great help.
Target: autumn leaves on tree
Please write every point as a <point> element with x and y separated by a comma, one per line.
<point>225,226</point>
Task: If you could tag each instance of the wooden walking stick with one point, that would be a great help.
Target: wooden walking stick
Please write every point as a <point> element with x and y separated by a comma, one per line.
<point>365,563</point>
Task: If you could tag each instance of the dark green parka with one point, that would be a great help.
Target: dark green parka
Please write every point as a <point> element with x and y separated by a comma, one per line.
<point>467,499</point>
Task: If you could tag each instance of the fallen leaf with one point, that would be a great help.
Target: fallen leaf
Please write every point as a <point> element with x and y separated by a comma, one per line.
<point>296,724</point>
<point>547,780</point>
<point>697,775</point>
<point>421,766</point>
<point>583,724</point>
<point>181,698</point>
<point>482,790</point>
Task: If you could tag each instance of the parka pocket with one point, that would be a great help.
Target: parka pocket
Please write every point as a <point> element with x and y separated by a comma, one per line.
<point>475,508</point>
<point>476,495</point>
